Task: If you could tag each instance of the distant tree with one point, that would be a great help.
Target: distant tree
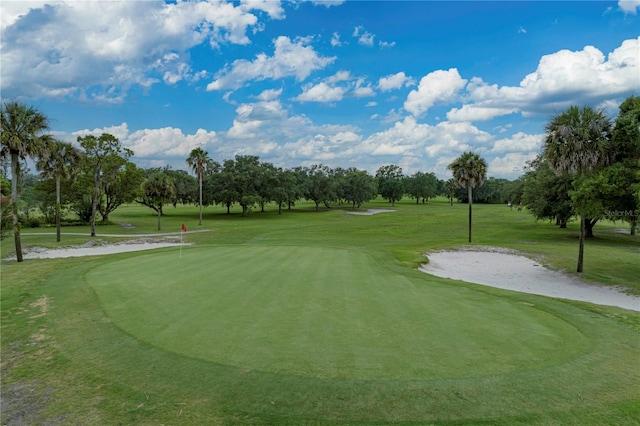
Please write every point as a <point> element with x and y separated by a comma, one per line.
<point>61,160</point>
<point>22,133</point>
<point>577,143</point>
<point>390,183</point>
<point>319,185</point>
<point>512,191</point>
<point>624,174</point>
<point>450,188</point>
<point>297,190</point>
<point>123,188</point>
<point>219,185</point>
<point>421,186</point>
<point>469,171</point>
<point>546,194</point>
<point>359,187</point>
<point>186,187</point>
<point>104,156</point>
<point>200,163</point>
<point>157,191</point>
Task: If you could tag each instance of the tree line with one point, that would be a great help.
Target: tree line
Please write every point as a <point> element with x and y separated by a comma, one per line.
<point>589,167</point>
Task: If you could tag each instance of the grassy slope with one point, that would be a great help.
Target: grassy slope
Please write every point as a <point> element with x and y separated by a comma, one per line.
<point>65,360</point>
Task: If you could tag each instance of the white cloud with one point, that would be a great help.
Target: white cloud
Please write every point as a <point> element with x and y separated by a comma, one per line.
<point>335,88</point>
<point>364,37</point>
<point>254,119</point>
<point>272,7</point>
<point>269,94</point>
<point>563,78</point>
<point>321,92</point>
<point>471,112</point>
<point>166,142</point>
<point>395,81</point>
<point>48,48</point>
<point>629,6</point>
<point>335,40</point>
<point>436,87</point>
<point>408,137</point>
<point>511,165</point>
<point>519,142</point>
<point>326,3</point>
<point>290,59</point>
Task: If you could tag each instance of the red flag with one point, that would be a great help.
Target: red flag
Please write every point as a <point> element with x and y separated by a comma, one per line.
<point>184,228</point>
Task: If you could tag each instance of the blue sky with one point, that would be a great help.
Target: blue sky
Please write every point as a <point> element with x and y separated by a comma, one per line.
<point>347,84</point>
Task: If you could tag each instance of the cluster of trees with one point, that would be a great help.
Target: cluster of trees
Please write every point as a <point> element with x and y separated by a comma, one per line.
<point>589,168</point>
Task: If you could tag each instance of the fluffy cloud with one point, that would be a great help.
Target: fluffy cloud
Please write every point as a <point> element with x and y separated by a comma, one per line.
<point>164,143</point>
<point>290,59</point>
<point>437,87</point>
<point>561,79</point>
<point>252,118</point>
<point>629,6</point>
<point>321,92</point>
<point>48,48</point>
<point>335,88</point>
<point>408,137</point>
<point>519,142</point>
<point>511,165</point>
<point>395,81</point>
<point>364,37</point>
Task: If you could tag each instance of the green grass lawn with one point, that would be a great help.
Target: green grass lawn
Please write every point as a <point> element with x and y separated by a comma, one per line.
<point>316,318</point>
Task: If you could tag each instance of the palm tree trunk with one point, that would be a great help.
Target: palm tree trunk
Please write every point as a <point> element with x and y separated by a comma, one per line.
<point>15,170</point>
<point>200,179</point>
<point>470,190</point>
<point>581,249</point>
<point>58,207</point>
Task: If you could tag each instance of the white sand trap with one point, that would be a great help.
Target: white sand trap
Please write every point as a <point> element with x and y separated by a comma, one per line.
<point>77,251</point>
<point>509,271</point>
<point>372,212</point>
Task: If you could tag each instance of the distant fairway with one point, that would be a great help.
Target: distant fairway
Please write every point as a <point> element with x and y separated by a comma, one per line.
<point>324,312</point>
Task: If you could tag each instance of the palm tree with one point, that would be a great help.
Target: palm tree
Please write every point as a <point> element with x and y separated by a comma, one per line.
<point>61,160</point>
<point>577,143</point>
<point>22,134</point>
<point>469,171</point>
<point>199,162</point>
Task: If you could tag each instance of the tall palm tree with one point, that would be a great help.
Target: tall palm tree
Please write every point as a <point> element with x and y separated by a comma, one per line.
<point>61,160</point>
<point>199,162</point>
<point>469,171</point>
<point>23,135</point>
<point>577,143</point>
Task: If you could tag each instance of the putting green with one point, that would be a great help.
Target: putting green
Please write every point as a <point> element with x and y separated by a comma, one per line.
<point>324,312</point>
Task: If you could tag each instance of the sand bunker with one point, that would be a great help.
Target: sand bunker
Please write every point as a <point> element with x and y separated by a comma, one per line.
<point>77,251</point>
<point>372,212</point>
<point>509,271</point>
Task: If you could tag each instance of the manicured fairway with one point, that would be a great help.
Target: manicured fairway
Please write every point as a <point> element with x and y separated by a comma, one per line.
<point>324,312</point>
